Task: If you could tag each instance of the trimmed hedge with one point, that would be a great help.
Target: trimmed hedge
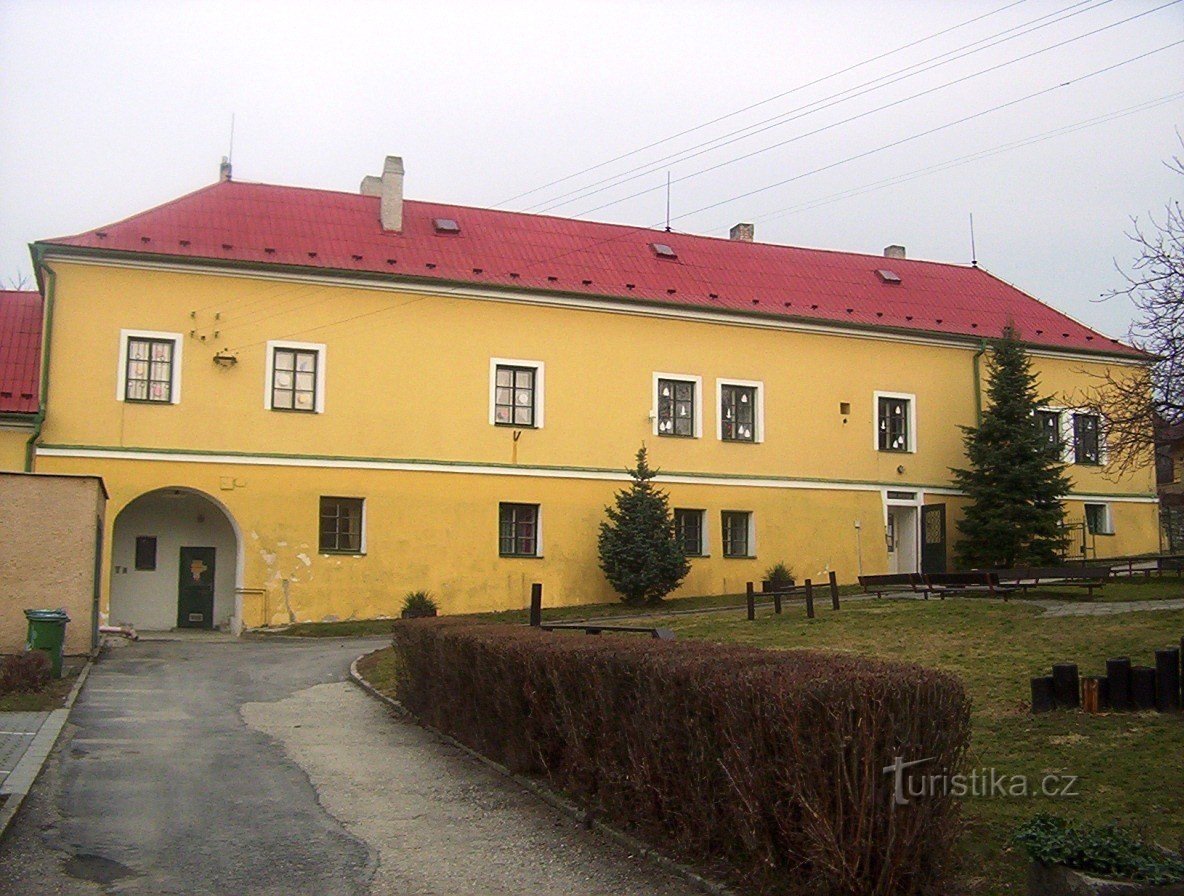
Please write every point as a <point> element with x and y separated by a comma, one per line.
<point>766,766</point>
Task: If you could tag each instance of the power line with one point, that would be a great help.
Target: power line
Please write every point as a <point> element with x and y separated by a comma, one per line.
<point>763,102</point>
<point>818,105</point>
<point>881,108</point>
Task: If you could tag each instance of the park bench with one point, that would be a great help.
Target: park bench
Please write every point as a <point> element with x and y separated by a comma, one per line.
<point>660,634</point>
<point>1028,577</point>
<point>894,583</point>
<point>1132,566</point>
<point>977,581</point>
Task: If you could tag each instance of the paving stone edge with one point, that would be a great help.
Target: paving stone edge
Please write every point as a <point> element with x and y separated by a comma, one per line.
<point>20,781</point>
<point>550,797</point>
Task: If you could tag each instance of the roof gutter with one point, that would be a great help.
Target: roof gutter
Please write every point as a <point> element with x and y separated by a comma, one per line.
<point>47,284</point>
<point>976,363</point>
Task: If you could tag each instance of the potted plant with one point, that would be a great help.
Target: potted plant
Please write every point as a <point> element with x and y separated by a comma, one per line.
<point>778,577</point>
<point>1107,860</point>
<point>419,604</point>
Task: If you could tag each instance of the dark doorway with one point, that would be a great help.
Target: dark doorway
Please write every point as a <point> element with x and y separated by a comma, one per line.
<point>195,590</point>
<point>933,538</point>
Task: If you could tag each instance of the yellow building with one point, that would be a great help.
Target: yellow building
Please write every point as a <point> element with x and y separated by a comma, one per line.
<point>307,403</point>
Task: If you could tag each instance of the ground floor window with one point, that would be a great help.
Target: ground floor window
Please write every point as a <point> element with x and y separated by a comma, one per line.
<point>1097,519</point>
<point>736,526</point>
<point>341,525</point>
<point>688,529</point>
<point>518,530</point>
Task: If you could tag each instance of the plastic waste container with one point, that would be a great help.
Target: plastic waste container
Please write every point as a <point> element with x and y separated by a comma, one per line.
<point>47,631</point>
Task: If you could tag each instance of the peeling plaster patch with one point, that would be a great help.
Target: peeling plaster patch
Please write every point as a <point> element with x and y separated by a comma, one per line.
<point>268,558</point>
<point>281,544</point>
<point>288,603</point>
<point>305,559</point>
<point>330,618</point>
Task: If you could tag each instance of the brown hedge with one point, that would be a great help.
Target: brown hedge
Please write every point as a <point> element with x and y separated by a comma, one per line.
<point>758,765</point>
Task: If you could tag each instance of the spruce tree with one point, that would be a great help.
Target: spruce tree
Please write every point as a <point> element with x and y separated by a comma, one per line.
<point>1015,480</point>
<point>639,553</point>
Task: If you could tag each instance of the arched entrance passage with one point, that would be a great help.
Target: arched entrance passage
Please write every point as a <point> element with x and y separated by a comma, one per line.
<point>175,562</point>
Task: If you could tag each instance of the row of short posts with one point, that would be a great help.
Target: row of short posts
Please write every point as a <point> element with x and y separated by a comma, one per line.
<point>807,589</point>
<point>1124,687</point>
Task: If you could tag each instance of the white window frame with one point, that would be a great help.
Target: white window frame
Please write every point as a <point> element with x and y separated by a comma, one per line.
<point>1103,441</point>
<point>751,555</point>
<point>704,534</point>
<point>539,377</point>
<point>1107,517</point>
<point>758,427</point>
<point>121,378</point>
<point>319,348</point>
<point>538,530</point>
<point>1065,426</point>
<point>685,378</point>
<point>911,447</point>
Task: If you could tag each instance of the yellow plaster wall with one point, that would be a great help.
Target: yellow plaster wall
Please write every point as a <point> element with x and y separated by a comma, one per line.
<point>12,448</point>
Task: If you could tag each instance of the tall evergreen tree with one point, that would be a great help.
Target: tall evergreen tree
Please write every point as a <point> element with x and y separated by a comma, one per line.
<point>1016,479</point>
<point>639,553</point>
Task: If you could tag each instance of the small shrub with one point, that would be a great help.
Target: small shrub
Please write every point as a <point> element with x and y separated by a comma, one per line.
<point>419,604</point>
<point>24,673</point>
<point>766,766</point>
<point>779,577</point>
<point>1107,850</point>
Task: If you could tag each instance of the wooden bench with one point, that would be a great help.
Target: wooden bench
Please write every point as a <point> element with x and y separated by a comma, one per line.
<point>1027,577</point>
<point>1132,566</point>
<point>660,634</point>
<point>894,583</point>
<point>976,581</point>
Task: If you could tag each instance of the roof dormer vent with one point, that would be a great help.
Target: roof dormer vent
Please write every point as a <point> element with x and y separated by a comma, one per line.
<point>663,251</point>
<point>445,225</point>
<point>888,276</point>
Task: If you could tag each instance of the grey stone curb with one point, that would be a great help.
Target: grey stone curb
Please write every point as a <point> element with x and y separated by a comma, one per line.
<point>550,797</point>
<point>18,784</point>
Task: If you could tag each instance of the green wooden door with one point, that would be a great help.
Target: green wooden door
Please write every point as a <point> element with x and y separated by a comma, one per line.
<point>195,590</point>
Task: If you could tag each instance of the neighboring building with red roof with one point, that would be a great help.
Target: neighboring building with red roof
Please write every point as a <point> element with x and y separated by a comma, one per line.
<point>361,395</point>
<point>20,373</point>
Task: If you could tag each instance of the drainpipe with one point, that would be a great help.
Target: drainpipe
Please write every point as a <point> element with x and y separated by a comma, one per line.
<point>978,384</point>
<point>50,280</point>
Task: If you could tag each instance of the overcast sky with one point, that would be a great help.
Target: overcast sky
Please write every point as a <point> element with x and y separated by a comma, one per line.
<point>810,119</point>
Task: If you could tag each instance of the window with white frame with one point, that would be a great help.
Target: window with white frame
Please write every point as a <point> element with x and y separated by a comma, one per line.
<point>1087,439</point>
<point>741,411</point>
<point>295,377</point>
<point>896,422</point>
<point>1048,421</point>
<point>1097,519</point>
<point>516,393</point>
<point>518,530</point>
<point>342,525</point>
<point>678,405</point>
<point>149,367</point>
<point>688,530</point>
<point>738,537</point>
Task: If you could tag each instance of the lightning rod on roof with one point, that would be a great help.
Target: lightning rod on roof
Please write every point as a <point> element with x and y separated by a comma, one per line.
<point>973,253</point>
<point>667,201</point>
<point>230,153</point>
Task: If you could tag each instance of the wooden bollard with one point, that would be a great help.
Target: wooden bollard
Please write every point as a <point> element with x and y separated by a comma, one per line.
<point>1089,695</point>
<point>809,599</point>
<point>536,604</point>
<point>777,602</point>
<point>1042,699</point>
<point>1167,679</point>
<point>748,593</point>
<point>1143,687</point>
<point>834,592</point>
<point>1118,672</point>
<point>1066,688</point>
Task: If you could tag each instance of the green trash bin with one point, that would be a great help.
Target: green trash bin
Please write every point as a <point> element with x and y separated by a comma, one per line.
<point>47,631</point>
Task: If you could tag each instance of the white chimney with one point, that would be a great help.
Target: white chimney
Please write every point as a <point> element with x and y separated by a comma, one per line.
<point>742,233</point>
<point>224,169</point>
<point>389,189</point>
<point>894,252</point>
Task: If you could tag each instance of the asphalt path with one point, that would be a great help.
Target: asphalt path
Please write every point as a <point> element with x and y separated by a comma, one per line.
<point>256,768</point>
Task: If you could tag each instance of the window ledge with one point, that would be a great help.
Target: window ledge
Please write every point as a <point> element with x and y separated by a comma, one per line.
<point>342,554</point>
<point>521,556</point>
<point>739,556</point>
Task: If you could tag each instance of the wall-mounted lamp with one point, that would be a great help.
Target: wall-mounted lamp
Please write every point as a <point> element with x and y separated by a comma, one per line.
<point>225,359</point>
<point>900,469</point>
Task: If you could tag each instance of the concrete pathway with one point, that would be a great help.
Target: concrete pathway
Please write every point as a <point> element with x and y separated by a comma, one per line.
<point>222,768</point>
<point>1101,608</point>
<point>17,730</point>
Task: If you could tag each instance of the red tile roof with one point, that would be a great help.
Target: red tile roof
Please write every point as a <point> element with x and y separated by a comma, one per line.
<point>20,351</point>
<point>325,230</point>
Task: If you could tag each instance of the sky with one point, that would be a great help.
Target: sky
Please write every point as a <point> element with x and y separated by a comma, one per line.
<point>846,126</point>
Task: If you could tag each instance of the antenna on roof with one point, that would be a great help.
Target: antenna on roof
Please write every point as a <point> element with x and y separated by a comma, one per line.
<point>230,154</point>
<point>667,201</point>
<point>973,253</point>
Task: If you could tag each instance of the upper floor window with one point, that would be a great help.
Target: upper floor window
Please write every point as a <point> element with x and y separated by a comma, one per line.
<point>737,533</point>
<point>518,530</point>
<point>678,405</point>
<point>688,530</point>
<point>1097,519</point>
<point>1049,423</point>
<point>896,422</point>
<point>740,411</point>
<point>516,393</point>
<point>1086,441</point>
<point>295,377</point>
<point>150,367</point>
<point>341,529</point>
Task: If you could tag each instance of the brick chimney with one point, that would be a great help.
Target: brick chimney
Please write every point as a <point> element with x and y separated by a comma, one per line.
<point>742,233</point>
<point>224,169</point>
<point>389,189</point>
<point>894,252</point>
